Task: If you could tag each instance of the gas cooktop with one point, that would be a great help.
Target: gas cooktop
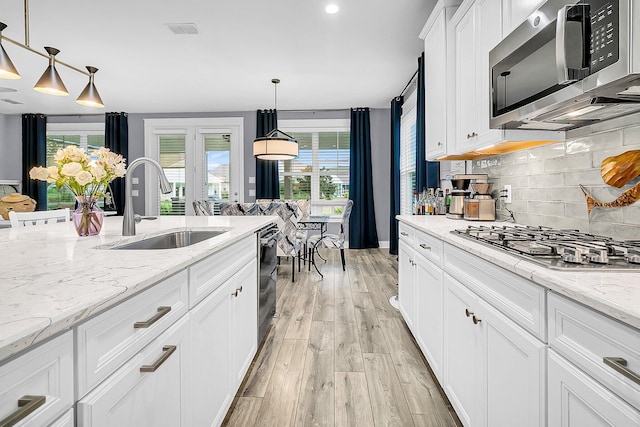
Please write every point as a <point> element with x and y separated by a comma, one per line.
<point>559,249</point>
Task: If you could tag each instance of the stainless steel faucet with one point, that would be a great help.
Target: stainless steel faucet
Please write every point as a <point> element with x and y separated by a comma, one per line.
<point>129,220</point>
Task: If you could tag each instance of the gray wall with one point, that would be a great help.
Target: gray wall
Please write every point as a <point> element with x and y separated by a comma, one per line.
<point>545,180</point>
<point>10,149</point>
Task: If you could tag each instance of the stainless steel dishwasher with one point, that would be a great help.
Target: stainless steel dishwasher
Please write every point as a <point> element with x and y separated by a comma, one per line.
<point>268,276</point>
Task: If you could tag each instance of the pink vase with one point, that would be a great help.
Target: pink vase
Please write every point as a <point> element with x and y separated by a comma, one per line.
<point>88,216</point>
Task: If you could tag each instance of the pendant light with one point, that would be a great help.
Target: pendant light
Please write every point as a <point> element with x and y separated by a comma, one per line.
<point>7,69</point>
<point>50,82</point>
<point>90,96</point>
<point>276,145</point>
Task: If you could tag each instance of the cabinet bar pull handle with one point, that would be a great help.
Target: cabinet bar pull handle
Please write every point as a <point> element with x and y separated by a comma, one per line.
<point>619,364</point>
<point>404,234</point>
<point>240,288</point>
<point>468,313</point>
<point>235,293</point>
<point>161,312</point>
<point>27,405</point>
<point>424,246</point>
<point>167,351</point>
<point>475,320</point>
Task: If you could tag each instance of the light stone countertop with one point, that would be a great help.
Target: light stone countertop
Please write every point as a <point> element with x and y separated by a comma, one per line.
<point>51,279</point>
<point>616,294</point>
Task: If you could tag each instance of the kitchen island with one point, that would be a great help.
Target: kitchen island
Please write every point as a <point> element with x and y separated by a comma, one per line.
<point>83,322</point>
<point>513,342</point>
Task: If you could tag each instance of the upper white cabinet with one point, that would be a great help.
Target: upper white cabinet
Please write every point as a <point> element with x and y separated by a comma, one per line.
<point>478,28</point>
<point>439,78</point>
<point>516,11</point>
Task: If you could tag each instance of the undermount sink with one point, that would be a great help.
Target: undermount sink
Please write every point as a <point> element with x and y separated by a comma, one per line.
<point>173,240</point>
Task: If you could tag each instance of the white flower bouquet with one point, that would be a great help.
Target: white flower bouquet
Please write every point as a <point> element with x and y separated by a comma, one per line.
<point>82,176</point>
<point>87,179</point>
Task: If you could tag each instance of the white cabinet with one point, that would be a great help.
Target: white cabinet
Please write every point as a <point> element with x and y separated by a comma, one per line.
<point>407,283</point>
<point>224,329</point>
<point>151,389</point>
<point>495,371</point>
<point>460,350</point>
<point>429,310</point>
<point>439,78</point>
<point>37,387</point>
<point>576,400</point>
<point>478,29</point>
<point>420,292</point>
<point>593,369</point>
<point>244,321</point>
<point>516,11</point>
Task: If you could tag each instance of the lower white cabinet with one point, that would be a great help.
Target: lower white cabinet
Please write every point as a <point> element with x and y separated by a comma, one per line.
<point>224,330</point>
<point>460,350</point>
<point>429,311</point>
<point>37,387</point>
<point>495,371</point>
<point>407,283</point>
<point>576,400</point>
<point>151,389</point>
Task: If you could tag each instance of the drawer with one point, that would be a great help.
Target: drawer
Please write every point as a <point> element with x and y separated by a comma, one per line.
<point>108,340</point>
<point>519,299</point>
<point>586,337</point>
<point>406,233</point>
<point>207,275</point>
<point>150,389</point>
<point>47,372</point>
<point>429,247</point>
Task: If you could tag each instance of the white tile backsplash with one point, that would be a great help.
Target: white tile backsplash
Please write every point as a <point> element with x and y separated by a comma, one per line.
<point>545,181</point>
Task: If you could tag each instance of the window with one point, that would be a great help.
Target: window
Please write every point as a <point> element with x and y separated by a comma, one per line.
<point>407,154</point>
<point>320,173</point>
<point>88,136</point>
<point>202,158</point>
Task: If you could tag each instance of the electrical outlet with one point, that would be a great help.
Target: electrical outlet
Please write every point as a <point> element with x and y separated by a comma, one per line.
<point>506,193</point>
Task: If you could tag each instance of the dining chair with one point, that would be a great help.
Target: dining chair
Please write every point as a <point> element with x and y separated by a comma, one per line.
<point>332,240</point>
<point>28,219</point>
<point>206,207</point>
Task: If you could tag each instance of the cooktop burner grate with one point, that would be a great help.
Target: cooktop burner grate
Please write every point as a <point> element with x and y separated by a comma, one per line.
<point>559,249</point>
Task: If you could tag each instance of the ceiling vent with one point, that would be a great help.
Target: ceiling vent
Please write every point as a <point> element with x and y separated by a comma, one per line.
<point>11,101</point>
<point>182,29</point>
<point>7,89</point>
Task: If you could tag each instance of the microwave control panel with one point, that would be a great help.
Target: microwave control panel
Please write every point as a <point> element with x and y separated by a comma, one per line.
<point>605,46</point>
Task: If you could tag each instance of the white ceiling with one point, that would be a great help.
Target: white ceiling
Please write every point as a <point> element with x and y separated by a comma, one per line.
<point>360,57</point>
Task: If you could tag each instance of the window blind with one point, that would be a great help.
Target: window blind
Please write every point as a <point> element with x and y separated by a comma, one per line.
<point>172,159</point>
<point>407,154</point>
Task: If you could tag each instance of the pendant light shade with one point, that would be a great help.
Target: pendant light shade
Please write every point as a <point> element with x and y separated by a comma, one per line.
<point>90,96</point>
<point>7,69</point>
<point>50,82</point>
<point>276,145</point>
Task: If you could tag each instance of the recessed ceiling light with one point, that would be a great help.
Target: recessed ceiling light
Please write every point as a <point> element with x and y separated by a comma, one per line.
<point>332,8</point>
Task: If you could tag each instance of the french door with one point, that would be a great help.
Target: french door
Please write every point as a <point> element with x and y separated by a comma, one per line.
<point>202,158</point>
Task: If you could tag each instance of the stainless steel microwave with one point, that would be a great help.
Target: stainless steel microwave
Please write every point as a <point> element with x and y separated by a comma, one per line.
<point>570,64</point>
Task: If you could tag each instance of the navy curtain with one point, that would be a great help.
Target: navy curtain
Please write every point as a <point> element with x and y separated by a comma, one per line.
<point>394,181</point>
<point>267,182</point>
<point>362,224</point>
<point>427,173</point>
<point>116,139</point>
<point>34,153</point>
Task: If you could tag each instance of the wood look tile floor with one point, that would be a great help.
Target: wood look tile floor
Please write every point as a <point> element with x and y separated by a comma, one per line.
<point>338,354</point>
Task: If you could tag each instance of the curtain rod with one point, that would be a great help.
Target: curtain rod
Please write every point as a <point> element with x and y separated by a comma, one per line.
<point>409,83</point>
<point>314,111</point>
